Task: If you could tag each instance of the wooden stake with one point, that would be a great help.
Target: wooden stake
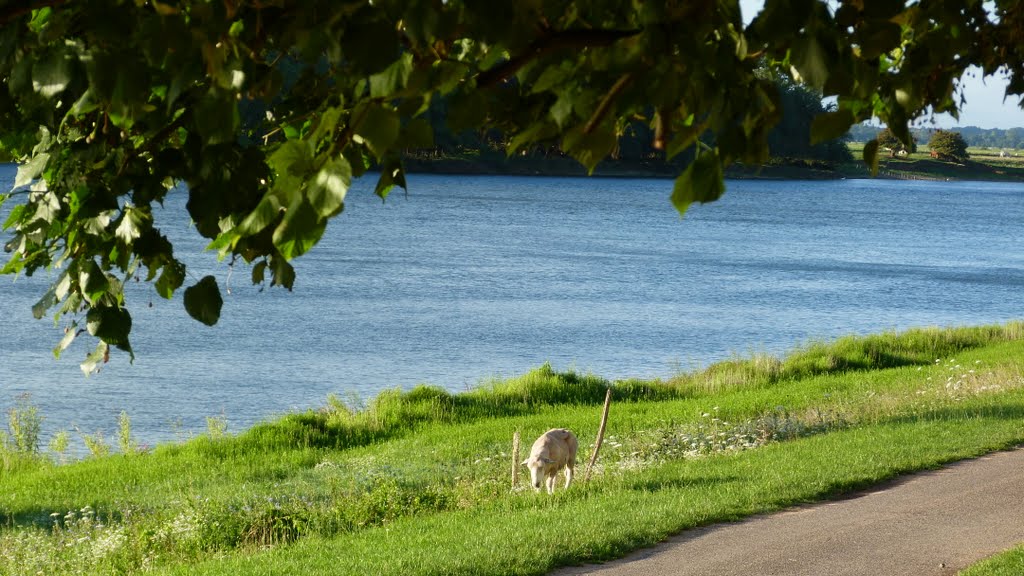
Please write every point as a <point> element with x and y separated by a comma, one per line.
<point>600,435</point>
<point>515,459</point>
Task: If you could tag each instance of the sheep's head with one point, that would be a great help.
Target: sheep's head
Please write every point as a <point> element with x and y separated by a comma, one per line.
<point>538,466</point>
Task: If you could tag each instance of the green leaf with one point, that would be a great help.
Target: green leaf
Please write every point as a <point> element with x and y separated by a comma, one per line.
<point>51,74</point>
<point>47,208</point>
<point>39,19</point>
<point>879,37</point>
<point>203,301</point>
<point>131,224</point>
<point>15,216</point>
<point>809,61</point>
<point>379,128</point>
<point>281,272</point>
<point>50,299</point>
<point>831,125</point>
<point>93,283</point>
<point>293,158</point>
<point>391,173</point>
<point>871,156</point>
<point>327,192</point>
<point>31,170</point>
<point>551,77</point>
<point>590,149</point>
<point>216,116</point>
<point>85,104</point>
<point>393,79</point>
<point>534,133</point>
<point>110,324</point>
<point>300,230</point>
<point>326,124</point>
<point>702,181</point>
<point>259,271</point>
<point>265,213</point>
<point>448,75</point>
<point>683,139</point>
<point>225,242</point>
<point>561,110</point>
<point>100,355</point>
<point>171,278</point>
<point>70,333</point>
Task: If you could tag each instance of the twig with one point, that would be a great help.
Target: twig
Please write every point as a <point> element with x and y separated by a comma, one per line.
<point>600,435</point>
<point>515,459</point>
<point>661,129</point>
<point>606,102</point>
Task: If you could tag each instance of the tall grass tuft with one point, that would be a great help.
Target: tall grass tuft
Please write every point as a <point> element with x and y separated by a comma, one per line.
<point>19,444</point>
<point>217,426</point>
<point>124,435</point>
<point>24,425</point>
<point>59,444</point>
<point>96,444</point>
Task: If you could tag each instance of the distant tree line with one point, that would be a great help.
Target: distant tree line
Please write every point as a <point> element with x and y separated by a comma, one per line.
<point>974,136</point>
<point>791,137</point>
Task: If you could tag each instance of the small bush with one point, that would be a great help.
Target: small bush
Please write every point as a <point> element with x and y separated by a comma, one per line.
<point>124,435</point>
<point>24,425</point>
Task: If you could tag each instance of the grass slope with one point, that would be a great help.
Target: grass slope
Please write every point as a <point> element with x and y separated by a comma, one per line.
<point>418,482</point>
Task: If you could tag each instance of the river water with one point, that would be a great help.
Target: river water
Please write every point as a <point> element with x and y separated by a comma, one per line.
<point>469,278</point>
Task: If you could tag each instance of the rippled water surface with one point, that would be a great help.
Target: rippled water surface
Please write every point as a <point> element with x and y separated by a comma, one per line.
<point>466,278</point>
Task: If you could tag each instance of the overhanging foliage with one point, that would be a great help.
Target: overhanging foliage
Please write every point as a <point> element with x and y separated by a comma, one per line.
<point>267,109</point>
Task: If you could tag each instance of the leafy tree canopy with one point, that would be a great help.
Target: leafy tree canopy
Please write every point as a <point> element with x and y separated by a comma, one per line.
<point>267,109</point>
<point>887,140</point>
<point>948,145</point>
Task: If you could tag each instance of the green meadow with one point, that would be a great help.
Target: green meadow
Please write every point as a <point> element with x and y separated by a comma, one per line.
<point>420,481</point>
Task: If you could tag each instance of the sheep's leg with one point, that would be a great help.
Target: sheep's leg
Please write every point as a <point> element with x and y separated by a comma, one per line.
<point>551,484</point>
<point>568,474</point>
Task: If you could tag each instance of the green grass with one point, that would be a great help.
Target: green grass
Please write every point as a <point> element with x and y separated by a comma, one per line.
<point>983,164</point>
<point>397,485</point>
<point>1009,563</point>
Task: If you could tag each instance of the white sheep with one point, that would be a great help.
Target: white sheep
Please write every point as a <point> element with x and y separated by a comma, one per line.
<point>554,450</point>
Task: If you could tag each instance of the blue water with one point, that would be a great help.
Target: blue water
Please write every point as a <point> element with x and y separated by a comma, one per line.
<point>469,278</point>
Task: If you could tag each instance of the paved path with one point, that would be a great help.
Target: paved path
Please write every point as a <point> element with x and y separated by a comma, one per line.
<point>934,523</point>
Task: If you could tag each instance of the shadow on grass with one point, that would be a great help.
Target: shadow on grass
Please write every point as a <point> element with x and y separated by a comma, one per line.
<point>662,484</point>
<point>1007,410</point>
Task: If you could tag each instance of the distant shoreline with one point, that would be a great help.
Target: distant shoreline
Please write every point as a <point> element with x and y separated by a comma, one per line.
<point>777,169</point>
<point>782,169</point>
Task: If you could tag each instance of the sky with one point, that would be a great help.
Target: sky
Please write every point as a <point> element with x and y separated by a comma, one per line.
<point>985,106</point>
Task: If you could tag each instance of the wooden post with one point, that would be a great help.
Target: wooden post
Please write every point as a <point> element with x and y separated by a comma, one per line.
<point>515,459</point>
<point>600,435</point>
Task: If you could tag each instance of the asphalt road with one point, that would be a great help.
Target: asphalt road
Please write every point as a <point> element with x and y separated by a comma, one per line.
<point>933,523</point>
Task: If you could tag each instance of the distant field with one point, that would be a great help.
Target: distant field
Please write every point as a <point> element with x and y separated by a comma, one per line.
<point>984,164</point>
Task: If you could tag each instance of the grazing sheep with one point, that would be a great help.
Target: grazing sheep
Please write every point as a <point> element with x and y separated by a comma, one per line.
<point>554,450</point>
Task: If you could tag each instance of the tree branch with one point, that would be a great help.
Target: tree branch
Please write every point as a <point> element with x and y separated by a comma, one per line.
<point>606,102</point>
<point>575,38</point>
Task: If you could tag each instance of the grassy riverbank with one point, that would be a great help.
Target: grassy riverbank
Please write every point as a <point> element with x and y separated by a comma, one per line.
<point>419,482</point>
